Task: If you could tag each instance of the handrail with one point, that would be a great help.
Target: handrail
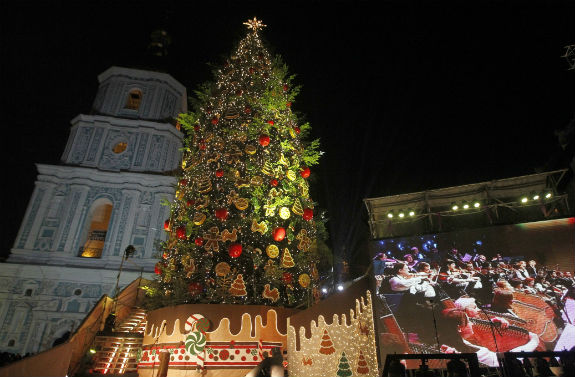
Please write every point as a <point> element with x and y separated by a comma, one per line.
<point>75,348</point>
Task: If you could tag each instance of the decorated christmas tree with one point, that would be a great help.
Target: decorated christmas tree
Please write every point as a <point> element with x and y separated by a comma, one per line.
<point>343,369</point>
<point>242,225</point>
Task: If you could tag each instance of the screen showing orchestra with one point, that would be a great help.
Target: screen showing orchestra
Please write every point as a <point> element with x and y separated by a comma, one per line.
<point>487,291</point>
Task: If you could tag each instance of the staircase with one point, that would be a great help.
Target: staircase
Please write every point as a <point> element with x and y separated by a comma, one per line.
<point>117,351</point>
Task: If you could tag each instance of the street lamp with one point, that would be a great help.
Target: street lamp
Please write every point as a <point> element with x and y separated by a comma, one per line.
<point>111,319</point>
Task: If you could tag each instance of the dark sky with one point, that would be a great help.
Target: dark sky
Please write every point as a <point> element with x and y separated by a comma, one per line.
<point>405,95</point>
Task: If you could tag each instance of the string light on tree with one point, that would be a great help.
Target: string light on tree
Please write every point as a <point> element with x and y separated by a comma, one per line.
<point>243,189</point>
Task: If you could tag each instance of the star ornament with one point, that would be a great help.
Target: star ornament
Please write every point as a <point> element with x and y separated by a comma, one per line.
<point>254,24</point>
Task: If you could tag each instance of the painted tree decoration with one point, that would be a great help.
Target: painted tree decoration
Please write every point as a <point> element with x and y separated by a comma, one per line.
<point>343,369</point>
<point>238,287</point>
<point>362,367</point>
<point>326,346</point>
<point>244,176</point>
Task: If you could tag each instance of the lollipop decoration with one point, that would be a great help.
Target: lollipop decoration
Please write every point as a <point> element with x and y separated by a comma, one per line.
<point>196,326</point>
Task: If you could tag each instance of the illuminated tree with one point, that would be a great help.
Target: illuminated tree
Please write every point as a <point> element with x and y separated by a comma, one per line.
<point>242,216</point>
<point>344,369</point>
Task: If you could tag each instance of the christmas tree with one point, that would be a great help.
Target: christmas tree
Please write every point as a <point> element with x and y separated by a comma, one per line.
<point>343,369</point>
<point>243,194</point>
<point>326,345</point>
<point>362,367</point>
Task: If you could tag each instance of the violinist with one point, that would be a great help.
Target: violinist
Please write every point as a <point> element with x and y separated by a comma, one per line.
<point>410,261</point>
<point>458,278</point>
<point>404,281</point>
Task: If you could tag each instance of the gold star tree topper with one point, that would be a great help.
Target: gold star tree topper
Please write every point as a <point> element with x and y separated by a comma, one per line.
<point>254,24</point>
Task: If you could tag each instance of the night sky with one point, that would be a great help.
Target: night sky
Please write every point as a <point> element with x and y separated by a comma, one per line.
<point>405,95</point>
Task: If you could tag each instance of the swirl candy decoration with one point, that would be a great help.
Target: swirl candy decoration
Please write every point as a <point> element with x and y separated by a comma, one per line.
<point>195,343</point>
<point>196,326</point>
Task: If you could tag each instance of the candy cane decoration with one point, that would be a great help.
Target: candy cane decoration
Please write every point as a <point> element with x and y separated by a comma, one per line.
<point>196,326</point>
<point>260,349</point>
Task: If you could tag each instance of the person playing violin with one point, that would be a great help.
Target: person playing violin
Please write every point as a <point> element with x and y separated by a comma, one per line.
<point>404,281</point>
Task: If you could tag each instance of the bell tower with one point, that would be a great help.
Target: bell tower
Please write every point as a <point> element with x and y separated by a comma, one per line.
<point>107,194</point>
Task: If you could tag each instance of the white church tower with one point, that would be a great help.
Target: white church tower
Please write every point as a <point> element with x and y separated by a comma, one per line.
<point>107,194</point>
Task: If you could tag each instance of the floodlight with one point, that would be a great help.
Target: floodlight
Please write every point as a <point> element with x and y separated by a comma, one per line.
<point>340,287</point>
<point>524,199</point>
<point>466,206</point>
<point>412,213</point>
<point>401,214</point>
<point>390,215</point>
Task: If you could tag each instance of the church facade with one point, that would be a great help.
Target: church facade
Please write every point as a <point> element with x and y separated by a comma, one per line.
<point>108,193</point>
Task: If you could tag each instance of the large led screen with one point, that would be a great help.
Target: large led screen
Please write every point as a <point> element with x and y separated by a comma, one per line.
<point>487,290</point>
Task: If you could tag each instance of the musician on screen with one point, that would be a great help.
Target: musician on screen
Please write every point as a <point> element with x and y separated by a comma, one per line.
<point>456,335</point>
<point>404,281</point>
<point>410,261</point>
<point>469,306</point>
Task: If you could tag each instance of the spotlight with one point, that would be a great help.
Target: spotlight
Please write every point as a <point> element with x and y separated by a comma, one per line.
<point>524,199</point>
<point>476,204</point>
<point>340,287</point>
<point>92,350</point>
<point>401,214</point>
<point>548,195</point>
<point>466,206</point>
<point>324,290</point>
<point>411,213</point>
<point>390,215</point>
<point>536,197</point>
<point>455,207</point>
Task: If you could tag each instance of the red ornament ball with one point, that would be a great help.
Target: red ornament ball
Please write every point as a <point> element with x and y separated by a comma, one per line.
<point>307,214</point>
<point>190,202</point>
<point>288,104</point>
<point>222,213</point>
<point>183,182</point>
<point>305,172</point>
<point>199,241</point>
<point>279,234</point>
<point>285,87</point>
<point>247,110</point>
<point>202,144</point>
<point>235,250</point>
<point>167,225</point>
<point>274,182</point>
<point>197,128</point>
<point>219,173</point>
<point>195,288</point>
<point>264,140</point>
<point>181,233</point>
<point>271,122</point>
<point>215,120</point>
<point>297,130</point>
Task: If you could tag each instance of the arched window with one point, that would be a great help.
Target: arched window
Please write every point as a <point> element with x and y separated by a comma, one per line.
<point>134,99</point>
<point>96,228</point>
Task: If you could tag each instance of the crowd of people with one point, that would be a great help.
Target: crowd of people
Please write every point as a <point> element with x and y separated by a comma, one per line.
<point>473,303</point>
